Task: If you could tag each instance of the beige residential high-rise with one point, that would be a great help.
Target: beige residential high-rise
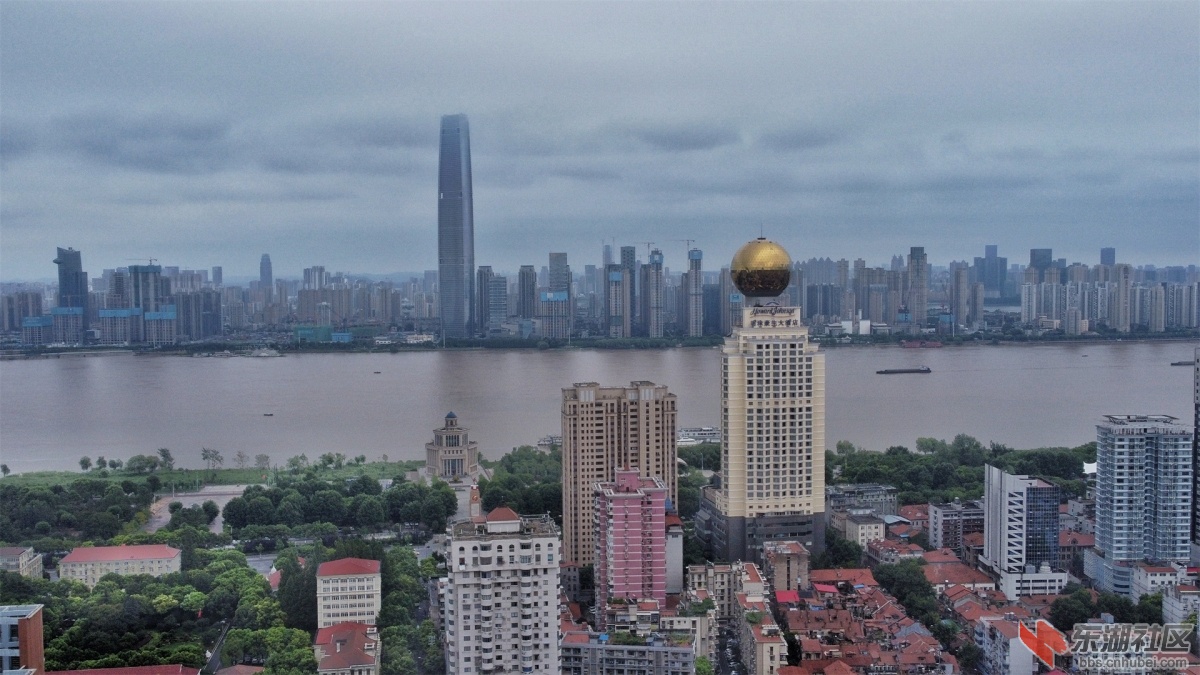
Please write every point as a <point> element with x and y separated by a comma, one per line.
<point>605,429</point>
<point>772,421</point>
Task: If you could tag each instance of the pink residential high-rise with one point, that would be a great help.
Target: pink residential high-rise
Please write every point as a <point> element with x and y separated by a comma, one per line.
<point>631,542</point>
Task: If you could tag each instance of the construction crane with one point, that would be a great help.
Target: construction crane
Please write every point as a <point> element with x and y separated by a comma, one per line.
<point>686,241</point>
<point>648,245</point>
<point>141,259</point>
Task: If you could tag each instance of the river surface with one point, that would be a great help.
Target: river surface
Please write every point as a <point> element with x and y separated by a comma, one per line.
<point>53,411</point>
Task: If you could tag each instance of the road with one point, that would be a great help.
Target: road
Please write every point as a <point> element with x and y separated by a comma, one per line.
<point>160,513</point>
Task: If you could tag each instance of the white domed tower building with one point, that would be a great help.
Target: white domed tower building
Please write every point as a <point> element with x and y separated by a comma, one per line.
<point>772,420</point>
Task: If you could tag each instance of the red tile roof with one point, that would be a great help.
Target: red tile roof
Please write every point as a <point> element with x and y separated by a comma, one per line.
<point>173,669</point>
<point>954,573</point>
<point>240,669</point>
<point>940,555</point>
<point>752,573</point>
<point>838,668</point>
<point>502,513</point>
<point>347,566</point>
<point>12,550</point>
<point>1069,538</point>
<point>346,644</point>
<point>787,596</point>
<point>853,576</point>
<point>576,638</point>
<point>96,554</point>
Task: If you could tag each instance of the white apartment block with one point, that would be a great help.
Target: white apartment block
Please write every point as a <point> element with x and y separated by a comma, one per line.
<point>349,589</point>
<point>89,564</point>
<point>1144,483</point>
<point>499,600</point>
<point>21,560</point>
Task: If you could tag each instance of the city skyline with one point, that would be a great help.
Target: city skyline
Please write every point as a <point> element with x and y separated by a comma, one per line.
<point>870,130</point>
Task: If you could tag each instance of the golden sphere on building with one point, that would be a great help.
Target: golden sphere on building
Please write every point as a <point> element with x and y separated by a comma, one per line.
<point>761,269</point>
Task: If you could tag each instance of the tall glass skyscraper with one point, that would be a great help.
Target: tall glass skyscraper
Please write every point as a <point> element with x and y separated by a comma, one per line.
<point>266,278</point>
<point>72,280</point>
<point>456,229</point>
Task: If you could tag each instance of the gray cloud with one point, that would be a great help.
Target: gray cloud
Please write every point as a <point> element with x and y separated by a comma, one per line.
<point>685,138</point>
<point>214,133</point>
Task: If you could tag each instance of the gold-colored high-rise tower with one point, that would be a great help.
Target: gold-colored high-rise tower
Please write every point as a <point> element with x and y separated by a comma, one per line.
<point>772,420</point>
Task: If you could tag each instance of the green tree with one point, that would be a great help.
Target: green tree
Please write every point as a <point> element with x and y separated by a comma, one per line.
<point>211,510</point>
<point>1075,608</point>
<point>327,506</point>
<point>370,512</point>
<point>704,666</point>
<point>298,593</point>
<point>211,458</point>
<point>85,463</point>
<point>839,552</point>
<point>166,459</point>
<point>262,461</point>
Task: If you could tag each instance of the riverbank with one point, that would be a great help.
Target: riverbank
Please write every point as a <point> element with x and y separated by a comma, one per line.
<point>513,344</point>
<point>195,480</point>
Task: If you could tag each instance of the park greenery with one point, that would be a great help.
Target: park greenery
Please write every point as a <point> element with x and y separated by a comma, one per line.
<point>526,480</point>
<point>1078,604</point>
<point>295,504</point>
<point>85,507</point>
<point>938,471</point>
<point>129,620</point>
<point>143,620</point>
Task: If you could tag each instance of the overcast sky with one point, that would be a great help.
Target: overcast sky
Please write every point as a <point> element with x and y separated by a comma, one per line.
<point>206,133</point>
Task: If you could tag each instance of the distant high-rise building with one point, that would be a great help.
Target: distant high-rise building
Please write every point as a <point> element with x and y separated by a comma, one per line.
<point>652,310</point>
<point>1119,313</point>
<point>554,314</point>
<point>694,287</point>
<point>497,295</point>
<point>527,292</point>
<point>266,278</point>
<point>1041,260</point>
<point>199,314</point>
<point>148,289</point>
<point>630,264</point>
<point>1108,256</point>
<point>617,300</point>
<point>558,280</point>
<point>992,271</point>
<point>630,539</point>
<point>500,594</point>
<point>315,277</point>
<point>72,281</point>
<point>560,273</point>
<point>456,229</point>
<point>218,276</point>
<point>1144,485</point>
<point>917,297</point>
<point>773,421</point>
<point>605,429</point>
<point>960,296</point>
<point>483,279</point>
<point>1020,533</point>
